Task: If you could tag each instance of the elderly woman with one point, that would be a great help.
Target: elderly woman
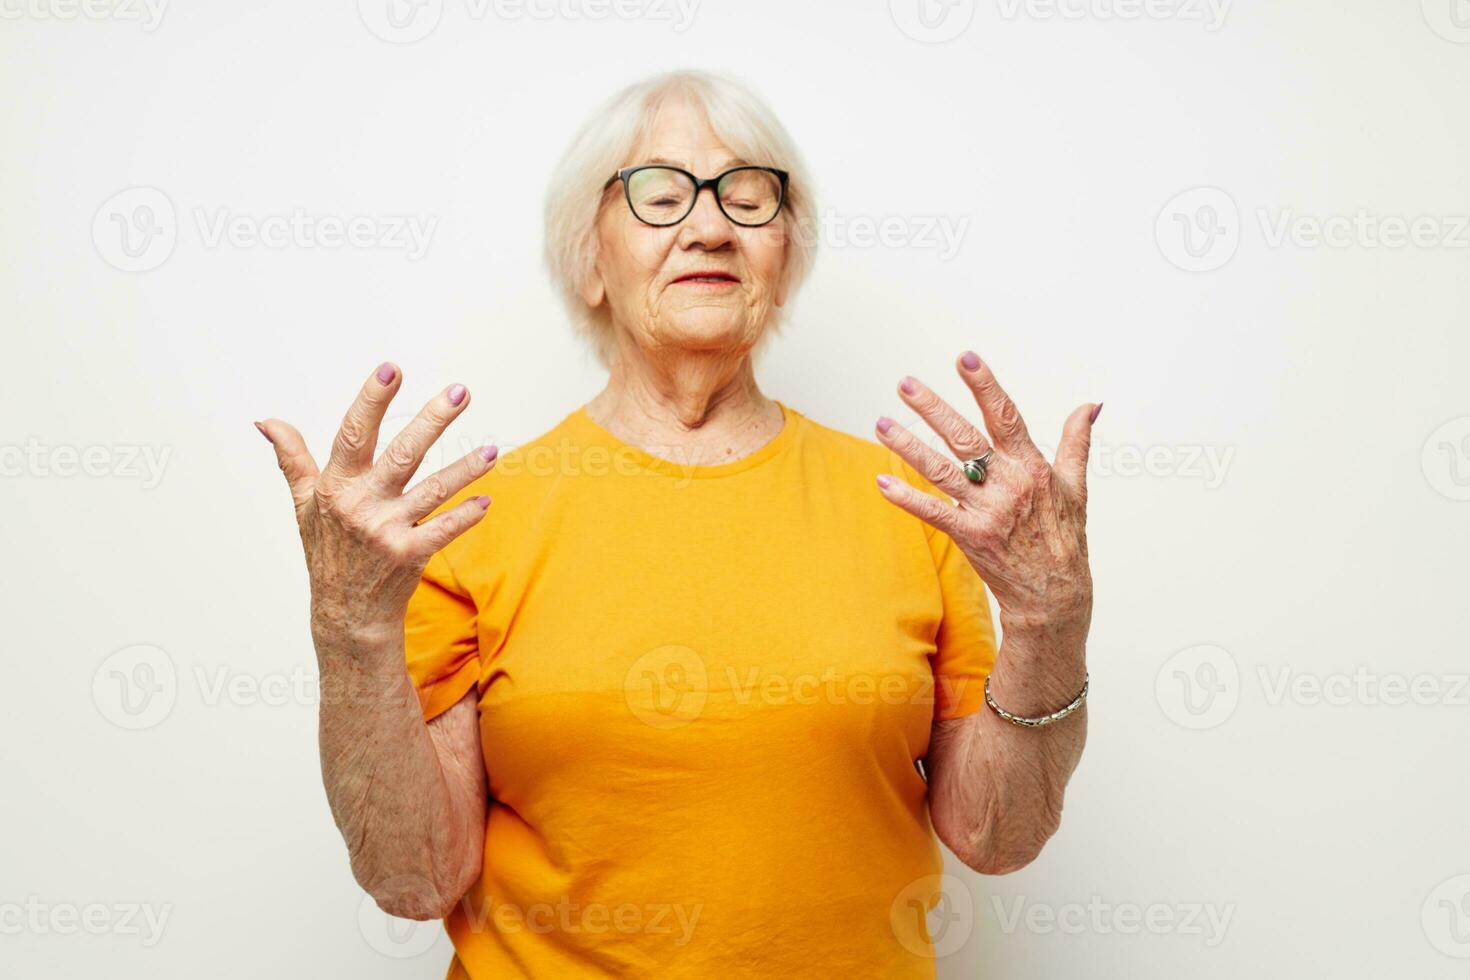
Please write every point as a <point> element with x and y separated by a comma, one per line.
<point>695,695</point>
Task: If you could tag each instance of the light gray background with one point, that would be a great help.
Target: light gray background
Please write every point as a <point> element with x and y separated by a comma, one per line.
<point>1281,478</point>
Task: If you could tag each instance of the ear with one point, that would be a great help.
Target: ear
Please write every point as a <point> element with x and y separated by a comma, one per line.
<point>593,290</point>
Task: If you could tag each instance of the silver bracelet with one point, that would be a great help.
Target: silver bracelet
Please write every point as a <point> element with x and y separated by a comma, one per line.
<point>1044,719</point>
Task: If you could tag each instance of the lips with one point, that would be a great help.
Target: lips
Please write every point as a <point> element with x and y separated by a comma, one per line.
<point>708,276</point>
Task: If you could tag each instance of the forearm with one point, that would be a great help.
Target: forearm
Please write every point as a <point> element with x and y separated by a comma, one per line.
<point>414,832</point>
<point>998,797</point>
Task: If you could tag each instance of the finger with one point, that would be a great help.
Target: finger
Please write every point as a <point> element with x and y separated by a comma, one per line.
<point>292,457</point>
<point>958,433</point>
<point>925,506</point>
<point>434,534</point>
<point>438,487</point>
<point>1002,418</point>
<point>357,437</point>
<point>941,472</point>
<point>401,459</point>
<point>1071,460</point>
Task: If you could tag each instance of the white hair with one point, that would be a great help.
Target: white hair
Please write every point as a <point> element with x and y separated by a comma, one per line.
<point>741,120</point>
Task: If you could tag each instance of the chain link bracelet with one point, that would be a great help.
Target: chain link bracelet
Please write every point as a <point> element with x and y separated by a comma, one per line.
<point>1044,719</point>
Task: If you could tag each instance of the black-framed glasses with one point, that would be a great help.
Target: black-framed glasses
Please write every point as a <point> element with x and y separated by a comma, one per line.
<point>661,195</point>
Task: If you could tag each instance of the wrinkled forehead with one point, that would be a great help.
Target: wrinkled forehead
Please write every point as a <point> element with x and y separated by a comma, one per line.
<point>680,135</point>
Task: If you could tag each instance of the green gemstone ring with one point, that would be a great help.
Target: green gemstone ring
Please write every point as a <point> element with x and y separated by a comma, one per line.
<point>975,468</point>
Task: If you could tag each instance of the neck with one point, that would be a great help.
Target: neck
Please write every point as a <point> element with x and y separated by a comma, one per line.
<point>701,406</point>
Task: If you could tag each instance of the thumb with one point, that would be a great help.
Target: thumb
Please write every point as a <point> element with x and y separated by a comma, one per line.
<point>292,456</point>
<point>1071,461</point>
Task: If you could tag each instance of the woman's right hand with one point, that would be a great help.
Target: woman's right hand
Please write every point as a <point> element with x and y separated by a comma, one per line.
<point>365,549</point>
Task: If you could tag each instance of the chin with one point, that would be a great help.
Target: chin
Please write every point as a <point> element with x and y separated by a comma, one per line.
<point>709,328</point>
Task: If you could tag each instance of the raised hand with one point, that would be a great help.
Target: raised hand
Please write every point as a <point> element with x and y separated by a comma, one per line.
<point>1024,527</point>
<point>365,545</point>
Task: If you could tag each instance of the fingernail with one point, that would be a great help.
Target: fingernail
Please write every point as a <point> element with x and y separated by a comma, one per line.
<point>262,431</point>
<point>487,453</point>
<point>970,360</point>
<point>883,480</point>
<point>456,394</point>
<point>907,387</point>
<point>386,373</point>
<point>1095,413</point>
<point>483,501</point>
<point>884,424</point>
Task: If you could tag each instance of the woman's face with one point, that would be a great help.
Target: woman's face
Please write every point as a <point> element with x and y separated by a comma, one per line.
<point>643,273</point>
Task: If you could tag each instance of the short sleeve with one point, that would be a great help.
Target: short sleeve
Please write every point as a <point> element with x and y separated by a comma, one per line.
<point>965,647</point>
<point>440,641</point>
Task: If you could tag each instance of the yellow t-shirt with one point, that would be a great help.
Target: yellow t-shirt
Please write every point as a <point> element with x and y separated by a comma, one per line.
<point>702,690</point>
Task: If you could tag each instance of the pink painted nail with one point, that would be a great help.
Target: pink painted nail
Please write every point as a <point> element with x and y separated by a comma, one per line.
<point>456,394</point>
<point>884,424</point>
<point>907,387</point>
<point>1095,413</point>
<point>487,453</point>
<point>386,373</point>
<point>483,501</point>
<point>262,431</point>
<point>970,361</point>
<point>883,480</point>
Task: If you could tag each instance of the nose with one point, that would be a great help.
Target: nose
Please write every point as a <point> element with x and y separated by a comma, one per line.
<point>706,226</point>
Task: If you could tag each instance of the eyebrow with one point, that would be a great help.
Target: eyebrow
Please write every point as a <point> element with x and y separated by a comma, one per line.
<point>729,162</point>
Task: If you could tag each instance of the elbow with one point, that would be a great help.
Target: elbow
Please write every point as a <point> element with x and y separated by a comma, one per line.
<point>411,896</point>
<point>1000,862</point>
<point>992,850</point>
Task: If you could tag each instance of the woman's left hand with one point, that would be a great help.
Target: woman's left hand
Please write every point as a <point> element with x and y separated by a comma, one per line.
<point>1025,528</point>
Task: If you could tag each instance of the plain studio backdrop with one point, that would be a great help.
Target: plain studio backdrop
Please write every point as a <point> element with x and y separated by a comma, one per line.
<point>1240,225</point>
